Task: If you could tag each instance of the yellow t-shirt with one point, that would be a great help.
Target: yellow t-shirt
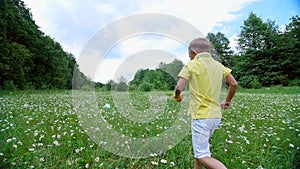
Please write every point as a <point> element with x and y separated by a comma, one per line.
<point>205,77</point>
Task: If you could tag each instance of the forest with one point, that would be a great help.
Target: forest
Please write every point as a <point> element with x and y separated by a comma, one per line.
<point>266,55</point>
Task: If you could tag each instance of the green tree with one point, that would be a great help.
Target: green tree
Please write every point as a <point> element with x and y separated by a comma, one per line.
<point>14,63</point>
<point>79,80</point>
<point>71,66</point>
<point>138,77</point>
<point>221,48</point>
<point>290,51</point>
<point>30,59</point>
<point>172,68</point>
<point>110,85</point>
<point>260,55</point>
<point>157,79</point>
<point>251,36</point>
<point>122,84</point>
<point>145,87</point>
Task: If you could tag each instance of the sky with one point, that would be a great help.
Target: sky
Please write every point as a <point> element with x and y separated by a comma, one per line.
<point>125,44</point>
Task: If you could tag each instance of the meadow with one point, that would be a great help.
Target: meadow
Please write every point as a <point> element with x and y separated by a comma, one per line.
<point>52,129</point>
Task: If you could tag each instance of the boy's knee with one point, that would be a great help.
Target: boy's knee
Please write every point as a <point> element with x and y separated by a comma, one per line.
<point>202,159</point>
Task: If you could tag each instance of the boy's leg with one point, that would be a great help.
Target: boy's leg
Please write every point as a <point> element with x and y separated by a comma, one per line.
<point>211,163</point>
<point>198,164</point>
<point>201,133</point>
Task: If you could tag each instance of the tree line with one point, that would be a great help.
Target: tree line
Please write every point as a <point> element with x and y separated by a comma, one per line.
<point>162,78</point>
<point>29,59</point>
<point>267,55</point>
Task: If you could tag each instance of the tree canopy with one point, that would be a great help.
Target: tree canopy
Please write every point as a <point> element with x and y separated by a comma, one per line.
<point>29,59</point>
<point>221,50</point>
<point>267,55</point>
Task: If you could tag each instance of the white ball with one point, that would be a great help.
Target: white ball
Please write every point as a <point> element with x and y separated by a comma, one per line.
<point>106,106</point>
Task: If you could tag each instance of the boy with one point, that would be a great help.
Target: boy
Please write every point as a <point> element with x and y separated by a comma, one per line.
<point>204,75</point>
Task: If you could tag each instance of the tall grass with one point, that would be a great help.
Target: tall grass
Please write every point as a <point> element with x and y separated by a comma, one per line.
<point>42,130</point>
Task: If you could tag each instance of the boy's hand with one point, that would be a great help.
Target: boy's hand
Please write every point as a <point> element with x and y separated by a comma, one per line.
<point>225,105</point>
<point>178,96</point>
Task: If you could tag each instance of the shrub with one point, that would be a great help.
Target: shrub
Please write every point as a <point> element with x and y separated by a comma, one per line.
<point>145,87</point>
<point>9,85</point>
<point>255,84</point>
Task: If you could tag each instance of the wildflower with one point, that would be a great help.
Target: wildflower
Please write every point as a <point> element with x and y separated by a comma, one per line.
<point>1,154</point>
<point>56,143</point>
<point>153,154</point>
<point>154,163</point>
<point>42,159</point>
<point>31,149</point>
<point>229,141</point>
<point>69,163</point>
<point>242,129</point>
<point>292,145</point>
<point>97,159</point>
<point>41,137</point>
<point>172,164</point>
<point>20,142</point>
<point>25,105</point>
<point>247,141</point>
<point>8,140</point>
<point>163,161</point>
<point>15,146</point>
<point>87,165</point>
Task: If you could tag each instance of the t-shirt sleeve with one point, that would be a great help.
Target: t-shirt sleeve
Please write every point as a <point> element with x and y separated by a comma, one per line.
<point>184,73</point>
<point>226,71</point>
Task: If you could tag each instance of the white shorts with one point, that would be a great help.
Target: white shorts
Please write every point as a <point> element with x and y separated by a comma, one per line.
<point>202,130</point>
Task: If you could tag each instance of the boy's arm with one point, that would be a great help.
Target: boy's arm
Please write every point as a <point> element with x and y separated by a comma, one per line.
<point>233,85</point>
<point>179,88</point>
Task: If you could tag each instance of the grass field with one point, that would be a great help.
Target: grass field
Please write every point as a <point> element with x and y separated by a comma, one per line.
<point>51,129</point>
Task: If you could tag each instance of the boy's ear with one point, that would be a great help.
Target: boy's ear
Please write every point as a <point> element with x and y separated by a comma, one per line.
<point>193,53</point>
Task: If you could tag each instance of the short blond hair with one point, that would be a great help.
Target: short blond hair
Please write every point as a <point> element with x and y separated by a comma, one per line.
<point>200,45</point>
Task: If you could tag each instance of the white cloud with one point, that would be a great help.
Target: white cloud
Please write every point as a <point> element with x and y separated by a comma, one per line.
<point>139,43</point>
<point>202,14</point>
<point>106,70</point>
<point>233,42</point>
<point>106,8</point>
<point>72,23</point>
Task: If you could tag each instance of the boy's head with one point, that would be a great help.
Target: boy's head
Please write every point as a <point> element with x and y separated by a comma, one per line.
<point>199,45</point>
